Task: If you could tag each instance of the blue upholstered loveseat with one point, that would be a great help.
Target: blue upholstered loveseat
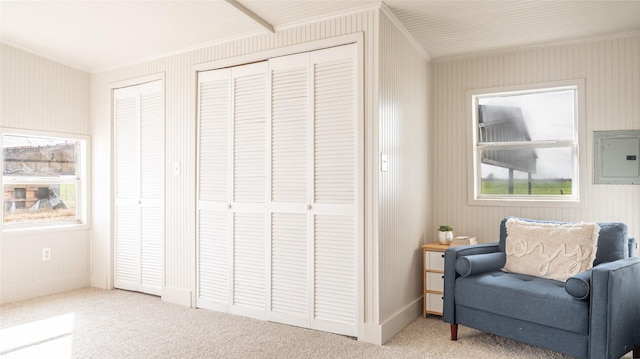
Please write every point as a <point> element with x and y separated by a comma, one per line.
<point>594,314</point>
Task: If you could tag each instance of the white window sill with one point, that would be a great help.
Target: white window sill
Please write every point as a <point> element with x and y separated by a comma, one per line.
<point>520,202</point>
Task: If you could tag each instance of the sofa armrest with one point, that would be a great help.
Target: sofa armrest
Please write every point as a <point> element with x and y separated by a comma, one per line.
<point>615,313</point>
<point>450,274</point>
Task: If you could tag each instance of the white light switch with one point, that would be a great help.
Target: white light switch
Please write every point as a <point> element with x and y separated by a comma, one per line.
<point>46,254</point>
<point>384,165</point>
<point>175,168</point>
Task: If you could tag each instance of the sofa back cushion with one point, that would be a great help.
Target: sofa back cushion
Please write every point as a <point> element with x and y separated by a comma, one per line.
<point>613,243</point>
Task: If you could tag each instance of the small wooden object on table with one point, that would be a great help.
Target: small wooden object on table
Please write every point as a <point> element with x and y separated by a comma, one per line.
<point>433,257</point>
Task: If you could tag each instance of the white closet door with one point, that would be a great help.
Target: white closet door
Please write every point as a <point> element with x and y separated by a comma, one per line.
<point>313,183</point>
<point>289,190</point>
<point>139,190</point>
<point>249,108</point>
<point>231,190</point>
<point>127,214</point>
<point>278,190</point>
<point>214,199</point>
<point>335,183</point>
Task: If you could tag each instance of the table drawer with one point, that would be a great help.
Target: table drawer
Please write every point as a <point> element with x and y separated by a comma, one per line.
<point>434,281</point>
<point>434,302</point>
<point>435,261</point>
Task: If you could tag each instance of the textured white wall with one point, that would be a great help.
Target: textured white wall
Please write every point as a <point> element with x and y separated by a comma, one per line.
<point>611,70</point>
<point>38,94</point>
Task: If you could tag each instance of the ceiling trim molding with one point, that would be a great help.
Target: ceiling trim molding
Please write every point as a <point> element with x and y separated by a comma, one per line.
<point>511,50</point>
<point>45,56</point>
<point>412,40</point>
<point>177,52</point>
<point>262,22</point>
<point>332,15</point>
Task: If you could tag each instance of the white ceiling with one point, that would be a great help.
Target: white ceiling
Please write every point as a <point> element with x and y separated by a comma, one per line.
<point>99,35</point>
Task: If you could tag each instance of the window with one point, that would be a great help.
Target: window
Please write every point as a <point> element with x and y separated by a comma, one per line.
<point>43,179</point>
<point>525,144</point>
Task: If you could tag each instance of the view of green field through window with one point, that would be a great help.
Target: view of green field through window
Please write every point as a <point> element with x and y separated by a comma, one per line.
<point>526,143</point>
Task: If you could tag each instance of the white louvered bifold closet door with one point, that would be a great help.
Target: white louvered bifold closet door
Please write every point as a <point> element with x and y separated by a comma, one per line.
<point>278,190</point>
<point>249,109</point>
<point>290,191</point>
<point>231,190</point>
<point>214,104</point>
<point>139,187</point>
<point>335,190</point>
<point>314,174</point>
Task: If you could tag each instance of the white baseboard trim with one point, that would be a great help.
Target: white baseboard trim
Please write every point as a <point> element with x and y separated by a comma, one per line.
<point>381,333</point>
<point>41,288</point>
<point>401,319</point>
<point>370,333</point>
<point>177,296</point>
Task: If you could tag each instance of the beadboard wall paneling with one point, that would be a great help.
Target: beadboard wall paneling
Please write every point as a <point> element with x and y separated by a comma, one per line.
<point>38,94</point>
<point>403,198</point>
<point>611,70</point>
<point>180,101</point>
<point>25,275</point>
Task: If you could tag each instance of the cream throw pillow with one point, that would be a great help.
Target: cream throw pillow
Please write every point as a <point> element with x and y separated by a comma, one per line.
<point>550,250</point>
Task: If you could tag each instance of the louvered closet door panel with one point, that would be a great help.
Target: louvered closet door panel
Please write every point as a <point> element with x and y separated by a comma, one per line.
<point>127,215</point>
<point>335,176</point>
<point>151,192</point>
<point>289,269</point>
<point>334,274</point>
<point>152,148</point>
<point>213,136</point>
<point>127,248</point>
<point>213,222</point>
<point>213,259</point>
<point>249,265</point>
<point>289,126</point>
<point>334,127</point>
<point>126,148</point>
<point>151,249</point>
<point>249,116</point>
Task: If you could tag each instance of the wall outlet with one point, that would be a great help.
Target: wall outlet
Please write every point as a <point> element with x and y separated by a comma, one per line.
<point>46,254</point>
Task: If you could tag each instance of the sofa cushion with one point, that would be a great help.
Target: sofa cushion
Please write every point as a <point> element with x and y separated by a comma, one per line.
<point>612,243</point>
<point>550,250</point>
<point>537,300</point>
<point>579,285</point>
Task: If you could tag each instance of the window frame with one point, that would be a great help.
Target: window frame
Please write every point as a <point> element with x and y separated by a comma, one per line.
<point>577,198</point>
<point>80,180</point>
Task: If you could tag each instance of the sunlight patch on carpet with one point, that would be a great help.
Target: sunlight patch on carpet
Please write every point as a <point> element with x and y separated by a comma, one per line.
<point>51,338</point>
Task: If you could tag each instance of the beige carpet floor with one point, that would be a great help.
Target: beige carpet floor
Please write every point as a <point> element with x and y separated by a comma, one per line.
<point>94,323</point>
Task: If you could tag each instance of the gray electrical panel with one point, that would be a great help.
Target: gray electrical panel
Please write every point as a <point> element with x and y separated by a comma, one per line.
<point>617,157</point>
